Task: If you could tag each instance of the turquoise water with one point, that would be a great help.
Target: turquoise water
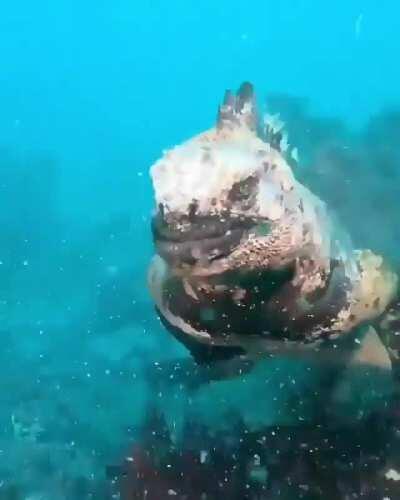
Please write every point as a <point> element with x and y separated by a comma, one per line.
<point>91,93</point>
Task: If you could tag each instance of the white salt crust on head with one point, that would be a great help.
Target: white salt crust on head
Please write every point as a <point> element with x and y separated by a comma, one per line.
<point>204,169</point>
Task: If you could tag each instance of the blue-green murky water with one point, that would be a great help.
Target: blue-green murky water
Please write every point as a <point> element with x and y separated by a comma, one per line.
<point>90,95</point>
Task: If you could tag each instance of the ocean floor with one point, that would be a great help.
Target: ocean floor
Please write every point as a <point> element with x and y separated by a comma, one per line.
<point>78,385</point>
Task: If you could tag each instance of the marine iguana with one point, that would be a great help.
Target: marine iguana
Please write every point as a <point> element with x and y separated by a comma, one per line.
<point>249,261</point>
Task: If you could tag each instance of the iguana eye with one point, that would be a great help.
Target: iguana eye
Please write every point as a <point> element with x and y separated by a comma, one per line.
<point>242,190</point>
<point>193,209</point>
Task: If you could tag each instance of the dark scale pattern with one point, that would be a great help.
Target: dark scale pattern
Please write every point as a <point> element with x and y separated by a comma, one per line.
<point>253,303</point>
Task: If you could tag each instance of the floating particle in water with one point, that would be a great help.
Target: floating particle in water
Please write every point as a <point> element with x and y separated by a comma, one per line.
<point>358,26</point>
<point>393,475</point>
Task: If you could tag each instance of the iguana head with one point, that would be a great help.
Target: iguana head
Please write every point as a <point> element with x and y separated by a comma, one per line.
<point>227,198</point>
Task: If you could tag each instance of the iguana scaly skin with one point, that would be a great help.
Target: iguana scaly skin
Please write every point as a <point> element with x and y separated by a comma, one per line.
<point>248,259</point>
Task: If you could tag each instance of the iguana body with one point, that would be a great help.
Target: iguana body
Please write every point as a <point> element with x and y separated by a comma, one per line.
<point>249,261</point>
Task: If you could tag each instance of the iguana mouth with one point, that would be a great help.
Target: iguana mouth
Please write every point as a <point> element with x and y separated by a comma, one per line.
<point>199,240</point>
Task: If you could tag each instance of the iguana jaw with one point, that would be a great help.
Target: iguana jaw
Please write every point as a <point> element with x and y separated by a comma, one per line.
<point>203,243</point>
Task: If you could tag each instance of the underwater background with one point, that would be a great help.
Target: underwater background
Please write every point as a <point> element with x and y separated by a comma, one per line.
<point>91,93</point>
